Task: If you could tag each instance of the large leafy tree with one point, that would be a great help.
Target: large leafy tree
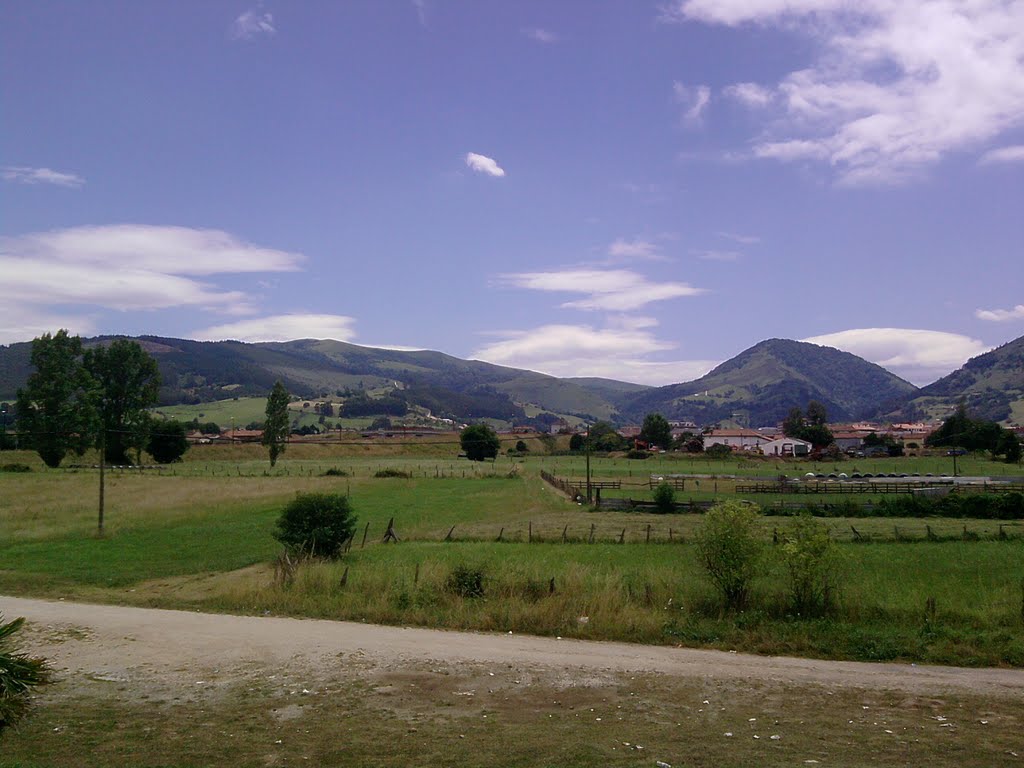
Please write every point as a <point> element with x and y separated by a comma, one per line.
<point>56,408</point>
<point>603,437</point>
<point>275,426</point>
<point>812,428</point>
<point>128,383</point>
<point>961,431</point>
<point>168,441</point>
<point>479,442</point>
<point>656,430</point>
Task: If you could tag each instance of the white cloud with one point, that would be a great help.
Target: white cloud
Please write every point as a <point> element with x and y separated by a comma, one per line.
<point>713,255</point>
<point>25,175</point>
<point>282,328</point>
<point>694,99</point>
<point>125,267</point>
<point>421,11</point>
<point>581,350</point>
<point>749,94</point>
<point>253,23</point>
<point>896,84</point>
<point>634,249</point>
<point>920,356</point>
<point>484,164</point>
<point>1014,154</point>
<point>1001,315</point>
<point>739,238</point>
<point>541,35</point>
<point>27,323</point>
<point>616,290</point>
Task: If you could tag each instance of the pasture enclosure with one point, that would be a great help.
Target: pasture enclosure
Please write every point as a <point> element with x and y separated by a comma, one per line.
<point>198,534</point>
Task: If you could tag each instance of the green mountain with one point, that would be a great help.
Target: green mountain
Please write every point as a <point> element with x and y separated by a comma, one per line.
<point>760,385</point>
<point>991,384</point>
<point>196,372</point>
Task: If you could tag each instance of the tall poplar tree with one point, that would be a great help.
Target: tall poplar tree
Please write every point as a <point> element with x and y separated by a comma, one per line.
<point>55,408</point>
<point>275,426</point>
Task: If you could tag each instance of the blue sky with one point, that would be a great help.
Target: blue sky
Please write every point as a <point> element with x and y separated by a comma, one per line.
<point>628,189</point>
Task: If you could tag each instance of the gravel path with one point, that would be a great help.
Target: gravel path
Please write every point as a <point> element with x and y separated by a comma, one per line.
<point>108,639</point>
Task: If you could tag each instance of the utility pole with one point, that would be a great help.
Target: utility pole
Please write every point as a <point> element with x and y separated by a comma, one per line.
<point>590,499</point>
<point>103,461</point>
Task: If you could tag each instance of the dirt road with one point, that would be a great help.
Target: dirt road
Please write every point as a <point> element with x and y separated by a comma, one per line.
<point>118,642</point>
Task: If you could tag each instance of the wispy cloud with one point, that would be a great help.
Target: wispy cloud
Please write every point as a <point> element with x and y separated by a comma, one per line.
<point>920,356</point>
<point>694,100</point>
<point>421,11</point>
<point>713,255</point>
<point>637,248</point>
<point>125,267</point>
<point>896,85</point>
<point>620,351</point>
<point>282,328</point>
<point>22,174</point>
<point>749,94</point>
<point>614,290</point>
<point>739,238</point>
<point>541,35</point>
<point>1003,155</point>
<point>484,164</point>
<point>252,24</point>
<point>1001,315</point>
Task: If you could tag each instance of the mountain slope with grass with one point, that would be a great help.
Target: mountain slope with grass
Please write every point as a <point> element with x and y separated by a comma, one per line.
<point>760,385</point>
<point>197,372</point>
<point>992,386</point>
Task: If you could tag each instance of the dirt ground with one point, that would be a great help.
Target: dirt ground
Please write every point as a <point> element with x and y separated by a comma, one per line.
<point>182,688</point>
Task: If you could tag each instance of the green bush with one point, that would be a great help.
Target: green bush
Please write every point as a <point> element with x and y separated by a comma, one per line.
<point>811,558</point>
<point>316,524</point>
<point>731,550</point>
<point>15,468</point>
<point>664,498</point>
<point>168,441</point>
<point>335,472</point>
<point>465,581</point>
<point>391,472</point>
<point>19,674</point>
<point>637,454</point>
<point>718,451</point>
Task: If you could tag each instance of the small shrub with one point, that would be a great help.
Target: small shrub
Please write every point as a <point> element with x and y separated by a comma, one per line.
<point>15,468</point>
<point>718,451</point>
<point>335,472</point>
<point>731,550</point>
<point>522,447</point>
<point>317,524</point>
<point>635,454</point>
<point>465,581</point>
<point>811,558</point>
<point>391,472</point>
<point>19,674</point>
<point>664,498</point>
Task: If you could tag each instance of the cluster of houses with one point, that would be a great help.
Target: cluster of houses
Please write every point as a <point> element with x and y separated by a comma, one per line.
<point>770,441</point>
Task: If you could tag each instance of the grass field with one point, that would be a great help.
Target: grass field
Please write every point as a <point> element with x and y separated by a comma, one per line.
<point>199,535</point>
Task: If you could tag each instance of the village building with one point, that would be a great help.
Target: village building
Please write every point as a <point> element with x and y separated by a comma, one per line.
<point>786,446</point>
<point>741,439</point>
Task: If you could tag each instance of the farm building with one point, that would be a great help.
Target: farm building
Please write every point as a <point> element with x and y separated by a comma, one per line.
<point>735,438</point>
<point>786,446</point>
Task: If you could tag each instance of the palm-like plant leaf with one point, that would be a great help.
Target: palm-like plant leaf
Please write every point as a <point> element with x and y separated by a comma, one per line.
<point>19,674</point>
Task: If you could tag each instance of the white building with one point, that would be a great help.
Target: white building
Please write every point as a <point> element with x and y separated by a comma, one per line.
<point>735,438</point>
<point>786,446</point>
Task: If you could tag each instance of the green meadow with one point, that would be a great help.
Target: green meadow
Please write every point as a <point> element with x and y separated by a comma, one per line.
<point>198,534</point>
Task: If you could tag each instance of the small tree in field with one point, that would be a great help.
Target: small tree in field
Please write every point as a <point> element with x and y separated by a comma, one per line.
<point>731,549</point>
<point>812,560</point>
<point>19,674</point>
<point>664,498</point>
<point>479,442</point>
<point>168,441</point>
<point>316,524</point>
<point>275,428</point>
